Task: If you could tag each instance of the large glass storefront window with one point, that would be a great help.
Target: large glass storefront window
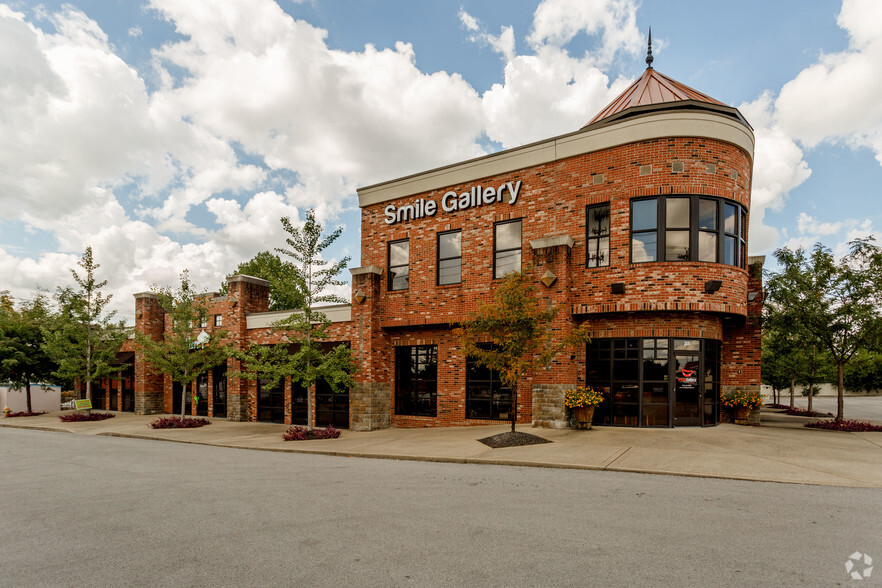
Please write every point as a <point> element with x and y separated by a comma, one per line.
<point>416,380</point>
<point>486,396</point>
<point>655,382</point>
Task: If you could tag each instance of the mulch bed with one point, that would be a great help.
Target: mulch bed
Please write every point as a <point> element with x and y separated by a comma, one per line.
<point>510,439</point>
<point>23,413</point>
<point>805,412</point>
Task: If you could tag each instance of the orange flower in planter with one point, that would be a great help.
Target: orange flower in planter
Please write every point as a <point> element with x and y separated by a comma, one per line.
<point>582,396</point>
<point>738,399</point>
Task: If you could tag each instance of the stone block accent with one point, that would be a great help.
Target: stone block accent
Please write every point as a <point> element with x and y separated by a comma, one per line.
<point>548,405</point>
<point>370,406</point>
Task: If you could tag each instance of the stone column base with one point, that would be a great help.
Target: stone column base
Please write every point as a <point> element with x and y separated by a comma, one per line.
<point>370,406</point>
<point>549,410</point>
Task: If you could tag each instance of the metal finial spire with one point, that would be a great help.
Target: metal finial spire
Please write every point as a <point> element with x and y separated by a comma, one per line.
<point>649,59</point>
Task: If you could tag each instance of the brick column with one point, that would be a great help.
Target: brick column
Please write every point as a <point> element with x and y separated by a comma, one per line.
<point>370,401</point>
<point>149,385</point>
<point>551,267</point>
<point>741,361</point>
<point>246,294</point>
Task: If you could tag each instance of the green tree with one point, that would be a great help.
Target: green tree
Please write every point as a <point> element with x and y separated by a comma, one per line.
<point>864,372</point>
<point>836,305</point>
<point>184,353</point>
<point>779,368</point>
<point>286,290</point>
<point>82,338</point>
<point>23,359</point>
<point>306,329</point>
<point>512,333</point>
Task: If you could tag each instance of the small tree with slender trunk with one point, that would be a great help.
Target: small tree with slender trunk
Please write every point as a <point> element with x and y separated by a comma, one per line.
<point>512,334</point>
<point>82,338</point>
<point>307,327</point>
<point>186,351</point>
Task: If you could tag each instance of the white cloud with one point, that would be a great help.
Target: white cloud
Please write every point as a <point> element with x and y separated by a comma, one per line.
<point>837,98</point>
<point>778,168</point>
<point>811,226</point>
<point>551,92</point>
<point>557,22</point>
<point>88,154</point>
<point>836,235</point>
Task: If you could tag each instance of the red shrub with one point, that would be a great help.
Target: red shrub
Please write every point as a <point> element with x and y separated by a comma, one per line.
<point>178,423</point>
<point>844,425</point>
<point>298,433</point>
<point>78,417</point>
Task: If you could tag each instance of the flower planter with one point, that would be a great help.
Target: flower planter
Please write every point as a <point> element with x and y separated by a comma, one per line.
<point>584,415</point>
<point>742,413</point>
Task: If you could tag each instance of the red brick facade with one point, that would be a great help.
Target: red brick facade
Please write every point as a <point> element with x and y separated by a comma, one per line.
<point>702,152</point>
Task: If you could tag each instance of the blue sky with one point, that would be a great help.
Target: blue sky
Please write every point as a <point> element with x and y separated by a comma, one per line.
<point>171,135</point>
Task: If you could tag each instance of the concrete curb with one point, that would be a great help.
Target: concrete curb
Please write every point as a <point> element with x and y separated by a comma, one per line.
<point>780,451</point>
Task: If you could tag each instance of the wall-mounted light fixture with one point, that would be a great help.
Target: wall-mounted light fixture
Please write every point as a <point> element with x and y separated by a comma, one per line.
<point>751,296</point>
<point>359,296</point>
<point>618,288</point>
<point>138,314</point>
<point>712,286</point>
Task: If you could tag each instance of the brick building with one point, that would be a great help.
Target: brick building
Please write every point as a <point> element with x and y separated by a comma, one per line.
<point>636,223</point>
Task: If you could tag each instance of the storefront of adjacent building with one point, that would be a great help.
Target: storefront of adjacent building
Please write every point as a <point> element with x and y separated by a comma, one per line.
<point>636,224</point>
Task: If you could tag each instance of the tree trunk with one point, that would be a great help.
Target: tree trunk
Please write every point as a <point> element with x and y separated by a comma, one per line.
<point>28,393</point>
<point>811,391</point>
<point>840,391</point>
<point>514,408</point>
<point>792,386</point>
<point>185,390</point>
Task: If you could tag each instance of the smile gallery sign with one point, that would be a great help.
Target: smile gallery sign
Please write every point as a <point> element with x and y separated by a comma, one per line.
<point>451,202</point>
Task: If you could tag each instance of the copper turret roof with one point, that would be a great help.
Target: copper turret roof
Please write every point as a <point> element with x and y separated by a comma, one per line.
<point>655,91</point>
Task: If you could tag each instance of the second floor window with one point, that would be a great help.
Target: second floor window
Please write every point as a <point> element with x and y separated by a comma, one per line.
<point>597,236</point>
<point>506,248</point>
<point>450,258</point>
<point>218,320</point>
<point>688,228</point>
<point>399,259</point>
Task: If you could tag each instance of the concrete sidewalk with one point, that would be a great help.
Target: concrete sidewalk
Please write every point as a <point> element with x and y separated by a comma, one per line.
<point>780,450</point>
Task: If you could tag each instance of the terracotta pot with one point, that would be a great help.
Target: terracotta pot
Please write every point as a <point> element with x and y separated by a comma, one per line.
<point>741,415</point>
<point>584,414</point>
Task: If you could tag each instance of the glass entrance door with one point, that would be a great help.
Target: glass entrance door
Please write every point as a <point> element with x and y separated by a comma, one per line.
<point>219,402</point>
<point>687,389</point>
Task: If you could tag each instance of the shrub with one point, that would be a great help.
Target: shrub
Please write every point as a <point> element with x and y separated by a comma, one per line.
<point>78,417</point>
<point>844,425</point>
<point>298,433</point>
<point>178,423</point>
<point>23,413</point>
